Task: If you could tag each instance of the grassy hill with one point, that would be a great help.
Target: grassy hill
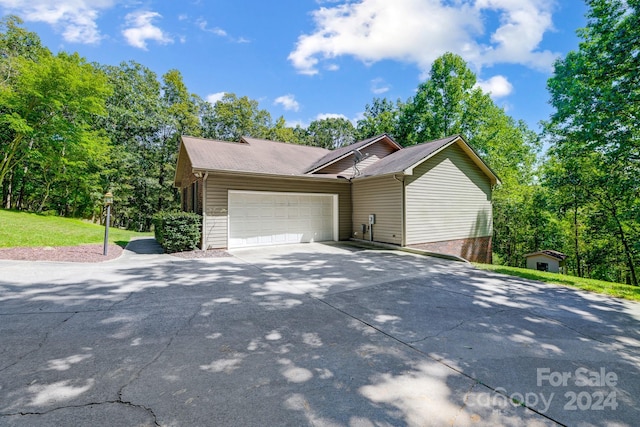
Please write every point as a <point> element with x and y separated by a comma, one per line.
<point>29,229</point>
<point>613,289</point>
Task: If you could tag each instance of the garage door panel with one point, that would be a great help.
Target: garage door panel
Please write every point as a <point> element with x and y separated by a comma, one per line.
<point>274,218</point>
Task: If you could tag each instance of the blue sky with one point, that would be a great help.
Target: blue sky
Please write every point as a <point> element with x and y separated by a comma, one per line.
<point>309,59</point>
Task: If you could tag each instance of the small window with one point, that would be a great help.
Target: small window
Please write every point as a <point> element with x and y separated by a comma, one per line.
<point>185,199</point>
<point>194,197</point>
<point>542,266</point>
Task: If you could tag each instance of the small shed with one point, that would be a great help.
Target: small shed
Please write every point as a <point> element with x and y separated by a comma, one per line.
<point>547,260</point>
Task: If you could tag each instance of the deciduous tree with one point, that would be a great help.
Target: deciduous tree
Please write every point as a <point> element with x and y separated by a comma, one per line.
<point>332,132</point>
<point>231,118</point>
<point>595,92</point>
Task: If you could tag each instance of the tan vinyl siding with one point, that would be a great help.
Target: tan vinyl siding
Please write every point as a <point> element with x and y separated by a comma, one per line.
<point>217,200</point>
<point>186,181</point>
<point>448,197</point>
<point>344,166</point>
<point>381,196</point>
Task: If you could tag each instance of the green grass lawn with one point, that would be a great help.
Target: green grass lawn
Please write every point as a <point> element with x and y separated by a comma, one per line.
<point>29,229</point>
<point>608,288</point>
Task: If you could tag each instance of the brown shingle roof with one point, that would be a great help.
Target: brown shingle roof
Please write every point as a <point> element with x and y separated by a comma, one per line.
<point>342,151</point>
<point>410,157</point>
<point>553,254</point>
<point>405,158</point>
<point>251,155</point>
<point>262,156</point>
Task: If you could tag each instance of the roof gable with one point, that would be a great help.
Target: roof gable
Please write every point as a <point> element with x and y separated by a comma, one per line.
<point>348,150</point>
<point>407,159</point>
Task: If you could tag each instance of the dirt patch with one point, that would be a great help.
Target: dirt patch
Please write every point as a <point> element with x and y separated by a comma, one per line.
<point>81,253</point>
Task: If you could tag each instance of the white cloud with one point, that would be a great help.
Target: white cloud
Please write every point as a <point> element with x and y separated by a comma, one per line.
<point>141,29</point>
<point>294,123</point>
<point>288,102</point>
<point>215,97</point>
<point>323,116</point>
<point>522,26</point>
<point>419,31</point>
<point>498,86</point>
<point>75,18</point>
<point>379,86</point>
<point>203,25</point>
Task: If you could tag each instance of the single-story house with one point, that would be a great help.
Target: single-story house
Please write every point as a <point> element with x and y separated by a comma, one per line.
<point>546,260</point>
<point>434,196</point>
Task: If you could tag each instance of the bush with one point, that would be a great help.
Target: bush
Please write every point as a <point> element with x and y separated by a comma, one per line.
<point>177,231</point>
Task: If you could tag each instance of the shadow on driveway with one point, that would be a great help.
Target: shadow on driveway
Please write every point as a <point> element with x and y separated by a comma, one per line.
<point>309,335</point>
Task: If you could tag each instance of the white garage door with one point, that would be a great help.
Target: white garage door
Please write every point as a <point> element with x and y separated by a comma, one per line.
<point>265,218</point>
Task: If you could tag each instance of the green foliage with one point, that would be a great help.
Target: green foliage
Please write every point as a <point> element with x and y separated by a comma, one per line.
<point>281,132</point>
<point>332,132</point>
<point>381,116</point>
<point>613,289</point>
<point>448,103</point>
<point>135,116</point>
<point>50,148</point>
<point>70,130</point>
<point>30,229</point>
<point>145,121</point>
<point>177,231</point>
<point>231,118</point>
<point>16,42</point>
<point>595,141</point>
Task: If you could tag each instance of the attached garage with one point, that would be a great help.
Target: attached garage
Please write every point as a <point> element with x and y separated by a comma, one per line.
<point>435,195</point>
<point>258,218</point>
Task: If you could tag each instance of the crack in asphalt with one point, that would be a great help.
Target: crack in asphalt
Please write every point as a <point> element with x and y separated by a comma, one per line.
<point>18,313</point>
<point>564,325</point>
<point>132,379</point>
<point>440,333</point>
<point>40,344</point>
<point>120,302</point>
<point>137,374</point>
<point>84,405</point>
<point>460,324</point>
<point>437,360</point>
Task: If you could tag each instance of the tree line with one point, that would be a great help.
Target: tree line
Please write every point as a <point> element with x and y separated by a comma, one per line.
<point>70,130</point>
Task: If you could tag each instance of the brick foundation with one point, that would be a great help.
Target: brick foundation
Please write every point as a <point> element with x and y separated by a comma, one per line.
<point>475,249</point>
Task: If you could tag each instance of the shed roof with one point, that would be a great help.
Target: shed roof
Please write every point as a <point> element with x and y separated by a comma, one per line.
<point>550,253</point>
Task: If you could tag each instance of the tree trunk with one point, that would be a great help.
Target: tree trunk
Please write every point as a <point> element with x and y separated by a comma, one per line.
<point>25,174</point>
<point>9,192</point>
<point>576,235</point>
<point>7,162</point>
<point>625,243</point>
<point>627,252</point>
<point>46,196</point>
<point>161,183</point>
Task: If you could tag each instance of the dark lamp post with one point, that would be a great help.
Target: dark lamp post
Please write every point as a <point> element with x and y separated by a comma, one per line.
<point>108,200</point>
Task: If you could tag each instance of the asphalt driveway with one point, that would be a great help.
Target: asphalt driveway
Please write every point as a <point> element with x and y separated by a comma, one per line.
<point>329,335</point>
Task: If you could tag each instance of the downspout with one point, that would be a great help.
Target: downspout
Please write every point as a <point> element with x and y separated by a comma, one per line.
<point>403,237</point>
<point>204,211</point>
<point>350,201</point>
